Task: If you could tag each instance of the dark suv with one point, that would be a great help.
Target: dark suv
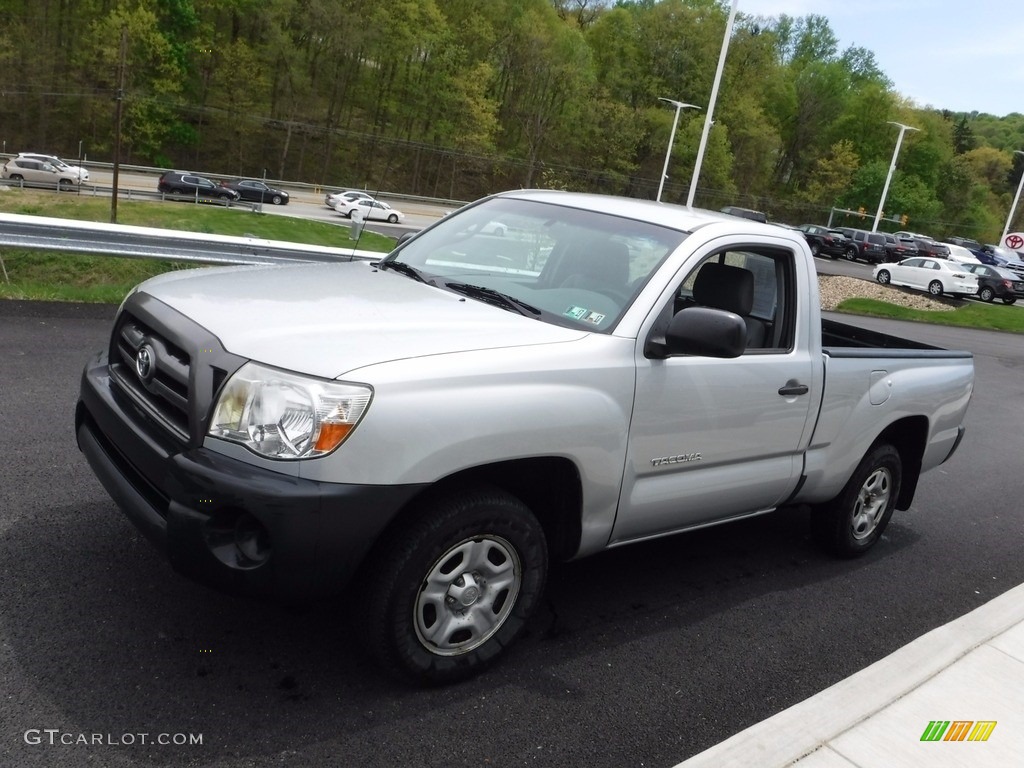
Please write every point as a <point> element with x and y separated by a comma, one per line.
<point>823,240</point>
<point>928,247</point>
<point>864,245</point>
<point>899,248</point>
<point>190,185</point>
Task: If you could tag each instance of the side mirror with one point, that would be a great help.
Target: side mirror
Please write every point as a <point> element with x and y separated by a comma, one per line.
<point>405,238</point>
<point>704,332</point>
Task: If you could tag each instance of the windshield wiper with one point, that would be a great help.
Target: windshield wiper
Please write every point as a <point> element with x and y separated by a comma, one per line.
<point>405,269</point>
<point>491,296</point>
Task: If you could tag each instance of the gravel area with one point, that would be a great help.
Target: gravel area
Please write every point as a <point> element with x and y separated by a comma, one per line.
<point>836,288</point>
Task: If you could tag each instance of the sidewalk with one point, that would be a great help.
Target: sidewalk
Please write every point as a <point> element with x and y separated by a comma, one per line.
<point>970,670</point>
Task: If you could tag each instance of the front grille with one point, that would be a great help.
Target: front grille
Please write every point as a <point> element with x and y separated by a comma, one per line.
<point>165,391</point>
<point>185,365</point>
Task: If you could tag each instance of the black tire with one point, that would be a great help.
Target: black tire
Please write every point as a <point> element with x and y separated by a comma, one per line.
<point>850,253</point>
<point>17,177</point>
<point>65,184</point>
<point>450,591</point>
<point>884,277</point>
<point>815,249</point>
<point>277,199</point>
<point>1008,300</point>
<point>393,219</point>
<point>853,522</point>
<point>226,198</point>
<point>935,288</point>
<point>986,294</point>
<point>349,214</point>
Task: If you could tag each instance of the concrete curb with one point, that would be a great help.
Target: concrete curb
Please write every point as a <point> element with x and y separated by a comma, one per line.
<point>787,737</point>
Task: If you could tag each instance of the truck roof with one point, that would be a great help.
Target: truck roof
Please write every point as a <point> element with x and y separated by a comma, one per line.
<point>665,214</point>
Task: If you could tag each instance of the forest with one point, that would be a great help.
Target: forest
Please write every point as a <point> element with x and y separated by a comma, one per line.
<point>455,99</point>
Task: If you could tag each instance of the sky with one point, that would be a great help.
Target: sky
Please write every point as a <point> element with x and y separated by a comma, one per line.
<point>960,55</point>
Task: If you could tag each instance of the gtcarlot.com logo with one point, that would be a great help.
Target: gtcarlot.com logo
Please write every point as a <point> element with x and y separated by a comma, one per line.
<point>958,730</point>
<point>56,737</point>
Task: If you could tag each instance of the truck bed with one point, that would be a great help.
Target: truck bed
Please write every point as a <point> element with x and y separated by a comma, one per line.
<point>844,340</point>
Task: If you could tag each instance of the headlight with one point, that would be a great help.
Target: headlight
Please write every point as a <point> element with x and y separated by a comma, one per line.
<point>285,416</point>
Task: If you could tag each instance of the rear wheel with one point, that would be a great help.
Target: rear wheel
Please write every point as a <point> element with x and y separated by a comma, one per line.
<point>850,254</point>
<point>450,591</point>
<point>17,177</point>
<point>850,524</point>
<point>935,288</point>
<point>986,294</point>
<point>883,276</point>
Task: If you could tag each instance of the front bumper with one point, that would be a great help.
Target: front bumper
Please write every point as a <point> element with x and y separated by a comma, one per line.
<point>230,525</point>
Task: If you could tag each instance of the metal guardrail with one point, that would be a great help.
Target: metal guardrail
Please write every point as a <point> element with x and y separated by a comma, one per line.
<point>51,234</point>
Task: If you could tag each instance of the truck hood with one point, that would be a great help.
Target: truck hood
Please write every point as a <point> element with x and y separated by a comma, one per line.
<point>327,320</point>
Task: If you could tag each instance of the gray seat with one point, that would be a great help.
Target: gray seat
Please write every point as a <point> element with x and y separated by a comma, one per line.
<point>595,266</point>
<point>721,286</point>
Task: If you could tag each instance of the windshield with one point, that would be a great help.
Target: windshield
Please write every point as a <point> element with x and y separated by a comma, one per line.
<point>567,266</point>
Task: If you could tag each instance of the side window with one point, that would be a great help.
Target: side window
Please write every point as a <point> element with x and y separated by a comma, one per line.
<point>757,284</point>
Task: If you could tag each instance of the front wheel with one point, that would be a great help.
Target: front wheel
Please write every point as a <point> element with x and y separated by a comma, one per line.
<point>277,199</point>
<point>935,288</point>
<point>883,276</point>
<point>815,249</point>
<point>986,294</point>
<point>393,219</point>
<point>850,524</point>
<point>450,591</point>
<point>1008,300</point>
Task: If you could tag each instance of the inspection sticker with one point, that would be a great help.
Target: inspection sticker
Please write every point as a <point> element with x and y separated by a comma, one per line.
<point>584,315</point>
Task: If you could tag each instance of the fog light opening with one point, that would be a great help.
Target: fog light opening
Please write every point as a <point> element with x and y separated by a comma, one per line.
<point>252,541</point>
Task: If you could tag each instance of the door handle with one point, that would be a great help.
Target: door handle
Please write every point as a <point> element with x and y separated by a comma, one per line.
<point>793,387</point>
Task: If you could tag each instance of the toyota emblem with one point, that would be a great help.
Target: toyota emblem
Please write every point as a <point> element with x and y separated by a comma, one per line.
<point>144,362</point>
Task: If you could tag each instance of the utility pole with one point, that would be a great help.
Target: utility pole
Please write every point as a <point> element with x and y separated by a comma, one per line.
<point>118,112</point>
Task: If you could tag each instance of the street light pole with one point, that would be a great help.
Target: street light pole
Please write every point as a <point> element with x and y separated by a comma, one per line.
<point>1016,199</point>
<point>672,137</point>
<point>892,168</point>
<point>709,119</point>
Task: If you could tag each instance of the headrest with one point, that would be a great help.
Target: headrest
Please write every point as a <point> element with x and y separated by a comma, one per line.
<point>722,286</point>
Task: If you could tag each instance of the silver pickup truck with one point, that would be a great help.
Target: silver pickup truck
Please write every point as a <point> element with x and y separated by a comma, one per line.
<point>538,375</point>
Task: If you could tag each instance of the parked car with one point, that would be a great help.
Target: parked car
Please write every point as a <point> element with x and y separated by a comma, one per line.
<point>372,210</point>
<point>257,191</point>
<point>190,185</point>
<point>899,248</point>
<point>38,172</point>
<point>823,240</point>
<point>999,256</point>
<point>746,213</point>
<point>961,254</point>
<point>970,244</point>
<point>937,276</point>
<point>331,199</point>
<point>864,245</point>
<point>56,162</point>
<point>997,282</point>
<point>928,247</point>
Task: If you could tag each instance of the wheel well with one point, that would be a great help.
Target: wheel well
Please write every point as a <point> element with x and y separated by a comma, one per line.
<point>549,486</point>
<point>908,436</point>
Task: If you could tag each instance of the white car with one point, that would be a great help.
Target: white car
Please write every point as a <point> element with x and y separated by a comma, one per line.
<point>937,276</point>
<point>26,170</point>
<point>372,210</point>
<point>961,255</point>
<point>331,199</point>
<point>60,165</point>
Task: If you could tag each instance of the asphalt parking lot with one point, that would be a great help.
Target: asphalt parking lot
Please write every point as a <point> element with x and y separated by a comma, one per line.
<point>643,656</point>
